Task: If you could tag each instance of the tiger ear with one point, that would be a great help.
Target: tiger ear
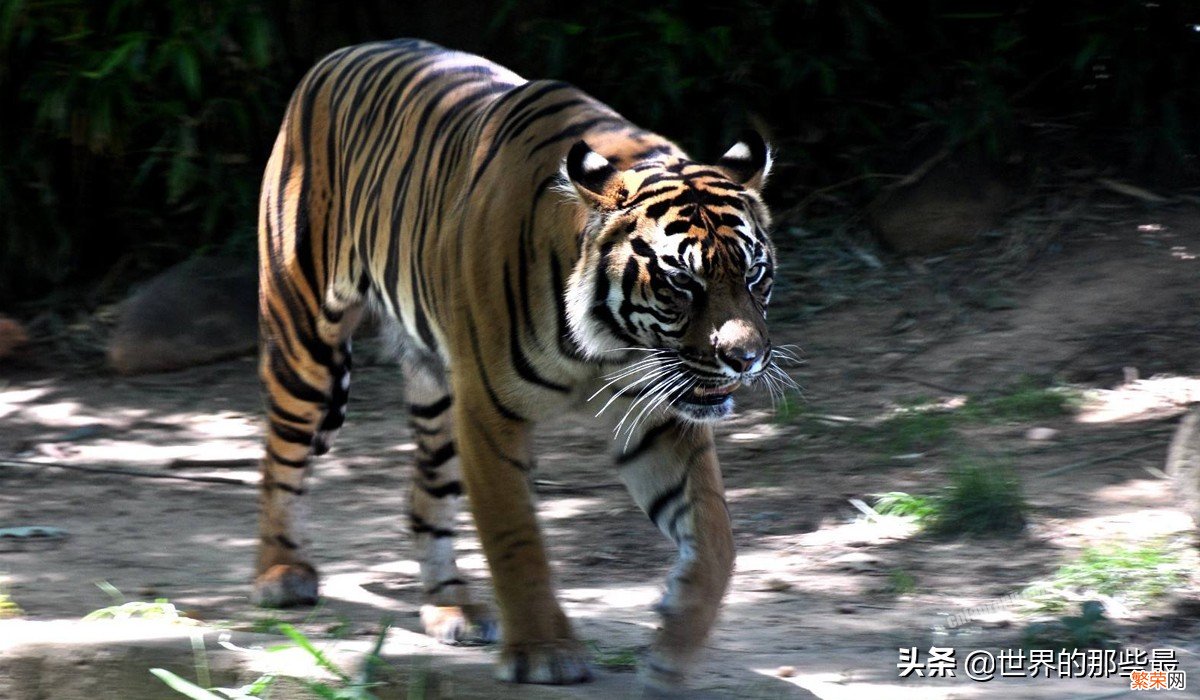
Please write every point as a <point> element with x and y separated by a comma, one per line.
<point>748,162</point>
<point>598,183</point>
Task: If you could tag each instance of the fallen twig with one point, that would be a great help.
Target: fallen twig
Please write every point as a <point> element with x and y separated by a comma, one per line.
<point>1130,190</point>
<point>1101,459</point>
<point>124,471</point>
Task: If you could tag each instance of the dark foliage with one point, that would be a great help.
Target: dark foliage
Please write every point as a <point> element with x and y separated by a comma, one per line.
<point>134,131</point>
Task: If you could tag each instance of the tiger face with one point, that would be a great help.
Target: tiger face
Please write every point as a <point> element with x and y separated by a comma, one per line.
<point>677,265</point>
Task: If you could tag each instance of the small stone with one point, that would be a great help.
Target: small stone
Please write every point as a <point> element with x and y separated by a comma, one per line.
<point>777,584</point>
<point>12,336</point>
<point>846,609</point>
<point>785,671</point>
<point>1040,434</point>
<point>857,562</point>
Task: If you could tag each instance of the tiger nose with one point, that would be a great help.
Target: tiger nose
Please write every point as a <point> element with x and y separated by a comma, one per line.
<point>741,358</point>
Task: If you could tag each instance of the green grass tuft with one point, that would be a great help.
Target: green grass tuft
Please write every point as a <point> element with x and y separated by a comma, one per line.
<point>1136,574</point>
<point>905,505</point>
<point>1088,630</point>
<point>621,659</point>
<point>1025,402</point>
<point>912,429</point>
<point>979,500</point>
<point>920,425</point>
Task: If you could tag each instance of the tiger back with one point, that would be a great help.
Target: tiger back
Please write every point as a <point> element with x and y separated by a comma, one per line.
<point>532,250</point>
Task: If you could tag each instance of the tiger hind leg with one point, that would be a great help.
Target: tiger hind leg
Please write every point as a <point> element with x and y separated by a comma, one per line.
<point>305,370</point>
<point>448,613</point>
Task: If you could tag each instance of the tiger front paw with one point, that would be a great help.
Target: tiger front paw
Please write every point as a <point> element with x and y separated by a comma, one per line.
<point>285,586</point>
<point>460,624</point>
<point>557,663</point>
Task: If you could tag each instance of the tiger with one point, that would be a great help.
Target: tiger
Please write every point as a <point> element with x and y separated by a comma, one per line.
<point>532,250</point>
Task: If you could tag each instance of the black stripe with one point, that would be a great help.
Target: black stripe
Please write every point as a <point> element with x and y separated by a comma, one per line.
<point>279,412</point>
<point>502,409</point>
<point>487,437</point>
<point>289,381</point>
<point>293,463</point>
<point>287,487</point>
<point>420,526</point>
<point>289,434</point>
<point>656,508</point>
<point>286,542</point>
<point>442,584</point>
<point>566,342</point>
<point>520,362</point>
<point>600,124</point>
<point>429,465</point>
<point>528,96</point>
<point>430,411</point>
<point>450,488</point>
<point>512,548</point>
<point>673,526</point>
<point>647,441</point>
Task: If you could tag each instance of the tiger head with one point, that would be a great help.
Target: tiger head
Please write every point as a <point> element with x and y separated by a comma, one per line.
<point>675,272</point>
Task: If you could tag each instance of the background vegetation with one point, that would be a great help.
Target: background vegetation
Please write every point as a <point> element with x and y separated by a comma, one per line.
<point>133,132</point>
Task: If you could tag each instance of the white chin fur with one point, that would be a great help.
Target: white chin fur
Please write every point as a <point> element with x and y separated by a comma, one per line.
<point>705,414</point>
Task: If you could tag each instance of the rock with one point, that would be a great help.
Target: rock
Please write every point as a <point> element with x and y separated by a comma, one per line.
<point>1183,463</point>
<point>199,311</point>
<point>12,336</point>
<point>950,206</point>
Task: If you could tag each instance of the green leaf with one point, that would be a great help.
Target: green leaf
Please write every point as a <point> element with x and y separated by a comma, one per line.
<point>319,656</point>
<point>189,70</point>
<point>258,41</point>
<point>180,177</point>
<point>9,11</point>
<point>322,690</point>
<point>184,687</point>
<point>117,57</point>
<point>1089,51</point>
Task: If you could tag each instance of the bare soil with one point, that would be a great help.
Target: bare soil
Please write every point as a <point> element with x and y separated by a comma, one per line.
<point>1107,303</point>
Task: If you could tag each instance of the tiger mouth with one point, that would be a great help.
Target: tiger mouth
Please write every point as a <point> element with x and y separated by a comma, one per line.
<point>709,395</point>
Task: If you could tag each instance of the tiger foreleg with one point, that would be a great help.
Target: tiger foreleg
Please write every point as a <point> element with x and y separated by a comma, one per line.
<point>673,474</point>
<point>538,643</point>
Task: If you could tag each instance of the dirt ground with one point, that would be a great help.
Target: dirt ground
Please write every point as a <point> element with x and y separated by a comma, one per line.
<point>1109,302</point>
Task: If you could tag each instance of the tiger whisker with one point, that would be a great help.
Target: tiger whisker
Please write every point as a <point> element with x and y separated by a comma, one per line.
<point>645,394</point>
<point>652,378</point>
<point>642,366</point>
<point>664,397</point>
<point>629,369</point>
<point>650,368</point>
<point>667,389</point>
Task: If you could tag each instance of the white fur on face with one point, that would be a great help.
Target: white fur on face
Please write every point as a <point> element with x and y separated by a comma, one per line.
<point>589,333</point>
